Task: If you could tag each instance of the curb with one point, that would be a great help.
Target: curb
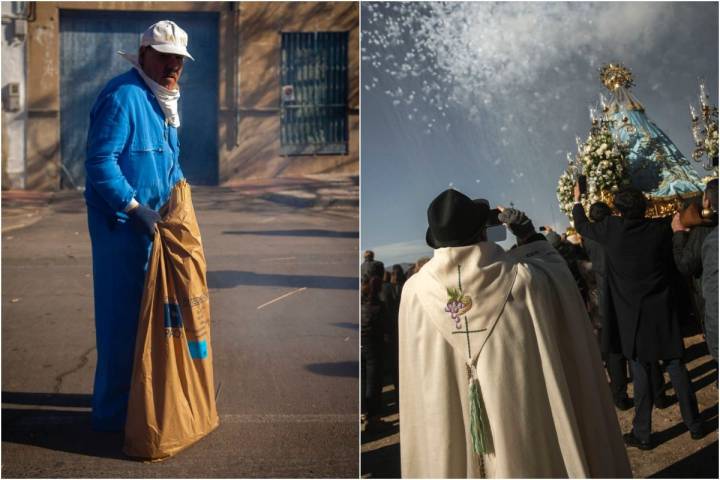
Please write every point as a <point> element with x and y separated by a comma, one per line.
<point>291,200</point>
<point>307,201</point>
<point>23,208</point>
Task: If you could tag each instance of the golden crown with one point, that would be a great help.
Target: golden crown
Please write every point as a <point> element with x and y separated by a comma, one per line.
<point>614,76</point>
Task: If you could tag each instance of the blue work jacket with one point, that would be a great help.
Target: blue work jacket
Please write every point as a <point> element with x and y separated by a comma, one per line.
<point>131,151</point>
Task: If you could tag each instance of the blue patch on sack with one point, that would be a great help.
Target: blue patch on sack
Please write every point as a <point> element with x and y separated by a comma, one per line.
<point>173,317</point>
<point>198,349</point>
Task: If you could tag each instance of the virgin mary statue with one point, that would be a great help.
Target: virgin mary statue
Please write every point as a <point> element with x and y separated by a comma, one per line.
<point>655,164</point>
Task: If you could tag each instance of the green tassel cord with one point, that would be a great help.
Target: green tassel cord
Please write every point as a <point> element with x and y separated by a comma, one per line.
<point>478,429</point>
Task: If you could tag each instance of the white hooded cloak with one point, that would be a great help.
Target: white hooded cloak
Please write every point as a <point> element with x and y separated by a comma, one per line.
<point>547,406</point>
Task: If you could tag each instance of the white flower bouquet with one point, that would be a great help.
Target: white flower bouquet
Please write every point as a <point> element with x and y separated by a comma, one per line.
<point>602,162</point>
<point>565,192</point>
<point>711,140</point>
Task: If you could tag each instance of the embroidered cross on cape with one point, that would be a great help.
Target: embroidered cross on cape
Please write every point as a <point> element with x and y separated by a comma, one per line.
<point>459,306</point>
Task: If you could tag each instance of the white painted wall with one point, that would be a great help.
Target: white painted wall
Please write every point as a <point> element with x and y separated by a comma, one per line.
<point>13,123</point>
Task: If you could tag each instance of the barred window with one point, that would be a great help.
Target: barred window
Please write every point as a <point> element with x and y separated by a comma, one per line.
<point>313,96</point>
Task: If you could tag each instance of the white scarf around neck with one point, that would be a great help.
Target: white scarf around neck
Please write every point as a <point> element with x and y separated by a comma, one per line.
<point>167,99</point>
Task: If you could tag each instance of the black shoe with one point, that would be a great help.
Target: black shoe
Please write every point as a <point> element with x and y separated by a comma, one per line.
<point>699,433</point>
<point>624,404</point>
<point>662,402</point>
<point>632,441</point>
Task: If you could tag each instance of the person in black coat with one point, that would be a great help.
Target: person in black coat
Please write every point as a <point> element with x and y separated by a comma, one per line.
<point>710,289</point>
<point>372,267</point>
<point>573,255</point>
<point>689,231</point>
<point>372,329</point>
<point>391,305</point>
<point>710,270</point>
<point>615,363</point>
<point>640,307</point>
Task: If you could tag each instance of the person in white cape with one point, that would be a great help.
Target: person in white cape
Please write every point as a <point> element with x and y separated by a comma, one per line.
<point>501,375</point>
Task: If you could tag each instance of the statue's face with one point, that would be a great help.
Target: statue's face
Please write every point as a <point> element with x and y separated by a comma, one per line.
<point>164,68</point>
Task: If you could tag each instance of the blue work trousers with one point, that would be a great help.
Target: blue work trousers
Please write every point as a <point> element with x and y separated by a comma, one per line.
<point>120,258</point>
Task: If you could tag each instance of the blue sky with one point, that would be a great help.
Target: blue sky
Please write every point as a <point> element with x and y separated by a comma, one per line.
<point>489,97</point>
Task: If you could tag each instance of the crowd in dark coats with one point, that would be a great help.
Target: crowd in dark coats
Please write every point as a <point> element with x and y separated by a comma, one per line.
<point>372,320</point>
<point>379,308</point>
<point>694,237</point>
<point>639,264</point>
<point>633,273</point>
<point>710,290</point>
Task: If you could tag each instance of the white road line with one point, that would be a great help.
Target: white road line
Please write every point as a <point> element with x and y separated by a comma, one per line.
<point>267,220</point>
<point>281,297</point>
<point>12,228</point>
<point>291,418</point>
<point>277,259</point>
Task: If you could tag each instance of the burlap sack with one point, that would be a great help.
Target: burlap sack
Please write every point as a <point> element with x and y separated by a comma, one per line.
<point>172,401</point>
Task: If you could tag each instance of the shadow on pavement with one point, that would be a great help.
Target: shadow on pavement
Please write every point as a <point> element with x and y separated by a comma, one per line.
<point>709,366</point>
<point>383,462</point>
<point>295,233</point>
<point>701,464</point>
<point>54,428</point>
<point>234,278</point>
<point>695,351</point>
<point>51,399</point>
<point>709,417</point>
<point>61,430</point>
<point>267,195</point>
<point>334,369</point>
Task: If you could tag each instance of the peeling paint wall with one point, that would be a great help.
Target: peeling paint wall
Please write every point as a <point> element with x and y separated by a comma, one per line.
<point>13,123</point>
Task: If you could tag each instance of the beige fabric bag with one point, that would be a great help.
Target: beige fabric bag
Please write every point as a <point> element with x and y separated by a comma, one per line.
<point>172,402</point>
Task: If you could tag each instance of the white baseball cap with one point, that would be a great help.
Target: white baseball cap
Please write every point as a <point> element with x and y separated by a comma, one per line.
<point>166,37</point>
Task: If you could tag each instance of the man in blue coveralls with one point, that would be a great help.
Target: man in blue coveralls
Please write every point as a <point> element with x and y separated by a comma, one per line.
<point>131,168</point>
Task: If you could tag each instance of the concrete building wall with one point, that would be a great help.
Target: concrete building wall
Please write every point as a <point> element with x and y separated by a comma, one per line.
<point>260,24</point>
<point>249,91</point>
<point>13,123</point>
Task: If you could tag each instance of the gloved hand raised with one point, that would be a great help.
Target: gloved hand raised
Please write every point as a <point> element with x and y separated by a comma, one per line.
<point>144,219</point>
<point>518,223</point>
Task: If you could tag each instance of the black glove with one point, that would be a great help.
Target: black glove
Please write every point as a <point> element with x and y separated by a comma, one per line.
<point>518,223</point>
<point>144,219</point>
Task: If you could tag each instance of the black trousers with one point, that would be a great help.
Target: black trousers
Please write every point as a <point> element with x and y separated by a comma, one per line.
<point>644,395</point>
<point>617,367</point>
<point>391,361</point>
<point>617,371</point>
<point>371,358</point>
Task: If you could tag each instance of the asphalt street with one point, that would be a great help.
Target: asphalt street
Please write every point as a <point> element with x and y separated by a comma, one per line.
<point>282,272</point>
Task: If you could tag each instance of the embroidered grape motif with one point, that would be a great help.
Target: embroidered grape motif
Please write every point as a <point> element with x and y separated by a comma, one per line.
<point>458,304</point>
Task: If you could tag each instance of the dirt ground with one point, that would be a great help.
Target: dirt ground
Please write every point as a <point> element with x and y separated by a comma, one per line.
<point>675,456</point>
